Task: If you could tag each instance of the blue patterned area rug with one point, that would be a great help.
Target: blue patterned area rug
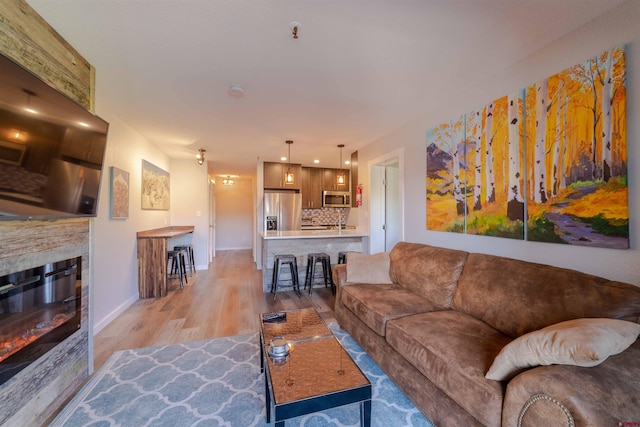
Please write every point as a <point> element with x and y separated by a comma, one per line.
<point>215,383</point>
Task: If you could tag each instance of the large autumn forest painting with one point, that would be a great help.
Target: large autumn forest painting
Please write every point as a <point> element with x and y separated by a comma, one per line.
<point>547,163</point>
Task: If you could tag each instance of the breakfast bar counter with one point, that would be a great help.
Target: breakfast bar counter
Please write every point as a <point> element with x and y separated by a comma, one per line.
<point>303,242</point>
<point>152,259</point>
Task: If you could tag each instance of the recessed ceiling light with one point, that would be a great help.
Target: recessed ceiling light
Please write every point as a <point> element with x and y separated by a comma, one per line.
<point>236,90</point>
<point>347,162</point>
<point>316,161</point>
<point>283,158</point>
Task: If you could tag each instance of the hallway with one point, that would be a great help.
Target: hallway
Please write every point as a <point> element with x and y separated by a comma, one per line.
<point>221,301</point>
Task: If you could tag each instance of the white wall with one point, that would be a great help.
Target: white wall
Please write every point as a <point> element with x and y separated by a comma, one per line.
<point>234,214</point>
<point>618,26</point>
<point>115,266</point>
<point>190,206</point>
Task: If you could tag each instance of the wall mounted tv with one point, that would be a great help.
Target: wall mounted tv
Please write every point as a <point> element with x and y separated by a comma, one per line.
<point>51,150</point>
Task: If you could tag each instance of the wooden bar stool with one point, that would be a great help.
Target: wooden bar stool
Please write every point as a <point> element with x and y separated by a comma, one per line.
<point>178,265</point>
<point>278,262</point>
<point>312,260</point>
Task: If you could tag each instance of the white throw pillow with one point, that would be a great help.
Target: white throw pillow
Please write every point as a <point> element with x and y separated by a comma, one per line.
<point>363,268</point>
<point>578,342</point>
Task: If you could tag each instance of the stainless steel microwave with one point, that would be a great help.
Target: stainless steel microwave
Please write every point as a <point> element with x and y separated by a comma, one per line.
<point>336,199</point>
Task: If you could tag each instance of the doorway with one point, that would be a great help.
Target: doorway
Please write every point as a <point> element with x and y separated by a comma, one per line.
<point>387,202</point>
<point>212,221</point>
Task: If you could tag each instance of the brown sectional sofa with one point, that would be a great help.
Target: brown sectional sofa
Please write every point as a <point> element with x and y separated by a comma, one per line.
<point>437,328</point>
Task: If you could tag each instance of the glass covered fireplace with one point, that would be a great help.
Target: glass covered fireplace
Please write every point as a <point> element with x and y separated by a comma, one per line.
<point>39,308</point>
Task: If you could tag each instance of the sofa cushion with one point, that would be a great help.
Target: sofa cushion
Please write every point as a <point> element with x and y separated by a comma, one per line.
<point>377,304</point>
<point>454,350</point>
<point>364,268</point>
<point>428,271</point>
<point>578,342</point>
<point>517,297</point>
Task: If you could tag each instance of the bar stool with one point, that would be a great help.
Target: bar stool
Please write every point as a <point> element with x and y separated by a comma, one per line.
<point>312,260</point>
<point>190,258</point>
<point>178,265</point>
<point>342,256</point>
<point>278,262</point>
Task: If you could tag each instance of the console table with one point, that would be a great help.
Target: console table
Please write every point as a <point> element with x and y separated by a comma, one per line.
<point>152,259</point>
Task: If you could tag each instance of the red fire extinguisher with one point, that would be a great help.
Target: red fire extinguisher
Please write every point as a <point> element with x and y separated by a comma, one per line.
<point>359,195</point>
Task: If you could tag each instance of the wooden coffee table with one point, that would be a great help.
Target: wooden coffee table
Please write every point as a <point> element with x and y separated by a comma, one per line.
<point>317,374</point>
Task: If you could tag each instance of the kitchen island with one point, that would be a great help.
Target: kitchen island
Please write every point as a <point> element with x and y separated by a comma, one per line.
<point>303,242</point>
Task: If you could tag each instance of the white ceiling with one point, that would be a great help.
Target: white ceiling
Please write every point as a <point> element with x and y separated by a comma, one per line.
<point>359,69</point>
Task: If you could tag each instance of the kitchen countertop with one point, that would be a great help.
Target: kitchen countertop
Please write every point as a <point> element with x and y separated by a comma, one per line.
<point>312,234</point>
<point>166,232</point>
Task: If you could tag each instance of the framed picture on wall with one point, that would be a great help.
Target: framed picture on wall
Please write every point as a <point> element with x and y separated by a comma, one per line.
<point>155,187</point>
<point>119,193</point>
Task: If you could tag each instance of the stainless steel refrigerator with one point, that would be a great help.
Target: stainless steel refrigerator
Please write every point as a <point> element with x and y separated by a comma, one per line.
<point>71,187</point>
<point>282,210</point>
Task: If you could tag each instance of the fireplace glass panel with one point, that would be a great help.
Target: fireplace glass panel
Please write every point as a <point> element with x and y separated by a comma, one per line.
<point>39,308</point>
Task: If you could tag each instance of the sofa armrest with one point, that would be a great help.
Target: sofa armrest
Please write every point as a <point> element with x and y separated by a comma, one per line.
<point>339,274</point>
<point>606,394</point>
<point>339,277</point>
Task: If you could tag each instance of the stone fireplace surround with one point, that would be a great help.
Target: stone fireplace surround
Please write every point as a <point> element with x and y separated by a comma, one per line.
<point>37,392</point>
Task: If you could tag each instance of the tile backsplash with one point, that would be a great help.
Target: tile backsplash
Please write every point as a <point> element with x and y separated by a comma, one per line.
<point>325,216</point>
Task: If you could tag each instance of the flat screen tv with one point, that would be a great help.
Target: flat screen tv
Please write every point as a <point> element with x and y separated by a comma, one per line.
<point>51,150</point>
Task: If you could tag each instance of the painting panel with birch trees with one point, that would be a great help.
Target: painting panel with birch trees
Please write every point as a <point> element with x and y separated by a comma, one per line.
<point>474,171</point>
<point>577,154</point>
<point>494,136</point>
<point>445,181</point>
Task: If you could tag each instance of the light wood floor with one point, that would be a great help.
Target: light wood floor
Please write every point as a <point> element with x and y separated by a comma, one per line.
<point>221,301</point>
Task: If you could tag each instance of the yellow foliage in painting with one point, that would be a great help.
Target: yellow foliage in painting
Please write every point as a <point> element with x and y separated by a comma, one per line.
<point>440,214</point>
<point>609,204</point>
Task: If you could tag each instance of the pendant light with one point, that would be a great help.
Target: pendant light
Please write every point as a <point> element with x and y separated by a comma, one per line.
<point>200,156</point>
<point>340,178</point>
<point>289,177</point>
<point>228,181</point>
<point>29,108</point>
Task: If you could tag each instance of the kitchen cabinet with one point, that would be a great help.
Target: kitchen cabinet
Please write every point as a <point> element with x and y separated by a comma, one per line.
<point>311,188</point>
<point>330,180</point>
<point>42,145</point>
<point>274,176</point>
<point>84,145</point>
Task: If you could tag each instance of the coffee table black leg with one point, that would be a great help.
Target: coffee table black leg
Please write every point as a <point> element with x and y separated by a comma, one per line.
<point>365,413</point>
<point>261,355</point>
<point>267,397</point>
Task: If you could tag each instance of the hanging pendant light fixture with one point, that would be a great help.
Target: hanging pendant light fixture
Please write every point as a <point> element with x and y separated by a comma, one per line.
<point>228,181</point>
<point>200,155</point>
<point>341,178</point>
<point>289,176</point>
<point>29,108</point>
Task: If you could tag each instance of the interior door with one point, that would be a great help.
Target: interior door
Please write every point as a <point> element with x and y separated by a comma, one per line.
<point>387,202</point>
<point>392,206</point>
<point>212,221</point>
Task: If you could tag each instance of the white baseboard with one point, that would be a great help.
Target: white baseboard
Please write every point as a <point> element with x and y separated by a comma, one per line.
<point>242,248</point>
<point>98,326</point>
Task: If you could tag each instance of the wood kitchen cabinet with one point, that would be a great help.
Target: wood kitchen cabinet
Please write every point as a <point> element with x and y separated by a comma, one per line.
<point>330,180</point>
<point>274,176</point>
<point>312,188</point>
<point>84,145</point>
